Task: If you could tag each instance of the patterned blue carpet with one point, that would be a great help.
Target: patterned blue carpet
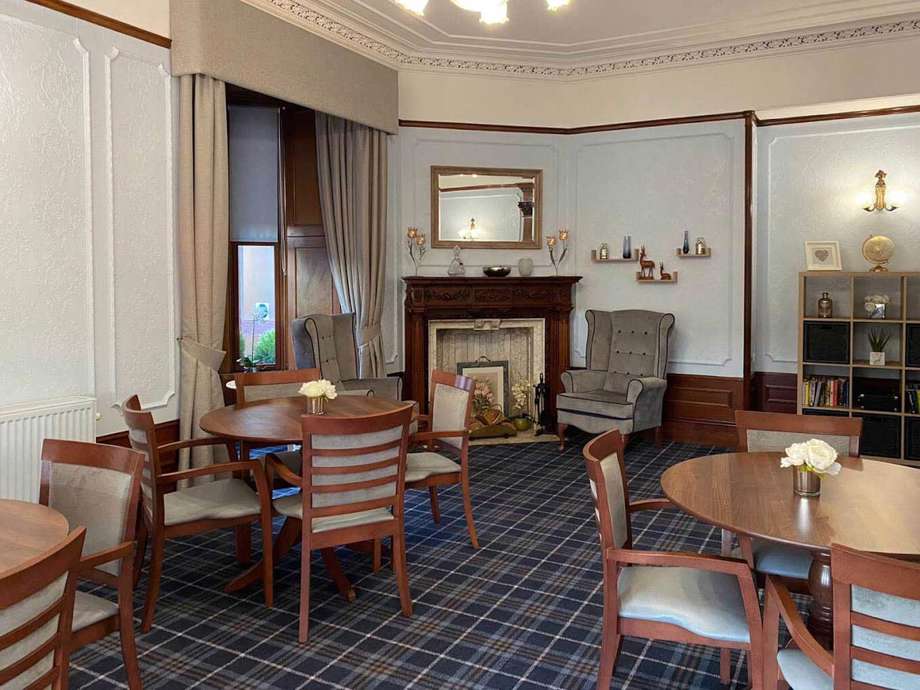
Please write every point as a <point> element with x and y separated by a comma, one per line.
<point>521,613</point>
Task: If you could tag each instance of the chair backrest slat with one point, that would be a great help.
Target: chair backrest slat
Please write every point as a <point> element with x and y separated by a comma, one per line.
<point>774,431</point>
<point>263,385</point>
<point>607,478</point>
<point>96,486</point>
<point>36,605</point>
<point>354,464</point>
<point>876,620</point>
<point>142,436</point>
<point>451,403</point>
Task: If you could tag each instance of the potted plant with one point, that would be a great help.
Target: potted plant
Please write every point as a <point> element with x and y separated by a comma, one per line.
<point>810,461</point>
<point>520,393</point>
<point>878,339</point>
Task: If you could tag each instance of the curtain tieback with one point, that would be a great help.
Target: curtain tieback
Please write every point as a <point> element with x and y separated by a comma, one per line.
<point>368,333</point>
<point>207,356</point>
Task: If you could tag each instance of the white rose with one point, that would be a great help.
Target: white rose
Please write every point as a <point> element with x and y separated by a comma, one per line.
<point>820,455</point>
<point>329,389</point>
<point>790,462</point>
<point>312,389</point>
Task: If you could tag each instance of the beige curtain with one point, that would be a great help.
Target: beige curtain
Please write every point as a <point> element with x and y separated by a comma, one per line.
<point>204,227</point>
<point>352,163</point>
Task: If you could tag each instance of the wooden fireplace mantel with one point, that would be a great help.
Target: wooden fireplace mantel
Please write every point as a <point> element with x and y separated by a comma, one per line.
<point>549,298</point>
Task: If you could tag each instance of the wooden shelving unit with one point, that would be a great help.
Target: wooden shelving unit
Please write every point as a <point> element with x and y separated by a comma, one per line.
<point>837,348</point>
<point>672,279</point>
<point>694,255</point>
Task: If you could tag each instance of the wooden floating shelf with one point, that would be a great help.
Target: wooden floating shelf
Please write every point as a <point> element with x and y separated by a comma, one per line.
<point>693,255</point>
<point>614,260</point>
<point>640,279</point>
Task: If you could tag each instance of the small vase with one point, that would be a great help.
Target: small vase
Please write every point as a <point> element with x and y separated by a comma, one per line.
<point>686,247</point>
<point>805,483</point>
<point>525,266</point>
<point>316,405</point>
<point>877,359</point>
<point>627,247</point>
<point>825,306</point>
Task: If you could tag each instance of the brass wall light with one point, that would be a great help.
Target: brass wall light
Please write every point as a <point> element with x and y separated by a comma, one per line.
<point>880,204</point>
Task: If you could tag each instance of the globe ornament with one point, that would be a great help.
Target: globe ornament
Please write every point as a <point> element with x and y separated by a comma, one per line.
<point>878,250</point>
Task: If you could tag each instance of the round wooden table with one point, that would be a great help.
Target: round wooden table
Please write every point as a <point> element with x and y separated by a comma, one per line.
<point>28,530</point>
<point>277,422</point>
<point>871,506</point>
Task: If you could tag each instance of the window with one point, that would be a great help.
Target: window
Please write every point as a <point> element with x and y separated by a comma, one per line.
<point>255,266</point>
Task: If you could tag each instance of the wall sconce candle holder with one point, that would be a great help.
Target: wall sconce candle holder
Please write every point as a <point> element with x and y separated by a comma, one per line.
<point>881,190</point>
<point>552,242</point>
<point>415,241</point>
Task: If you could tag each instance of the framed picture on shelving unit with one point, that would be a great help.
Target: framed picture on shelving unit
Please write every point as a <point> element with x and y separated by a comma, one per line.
<point>822,256</point>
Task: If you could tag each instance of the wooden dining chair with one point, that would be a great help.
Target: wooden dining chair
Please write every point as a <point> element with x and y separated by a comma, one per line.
<point>36,606</point>
<point>351,490</point>
<point>448,430</point>
<point>773,432</point>
<point>876,628</point>
<point>98,487</point>
<point>221,503</point>
<point>675,596</point>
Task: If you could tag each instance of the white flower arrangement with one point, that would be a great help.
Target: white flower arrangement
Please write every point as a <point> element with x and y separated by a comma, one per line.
<point>814,455</point>
<point>319,389</point>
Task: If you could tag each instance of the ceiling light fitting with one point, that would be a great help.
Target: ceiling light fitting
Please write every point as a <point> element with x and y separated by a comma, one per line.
<point>490,11</point>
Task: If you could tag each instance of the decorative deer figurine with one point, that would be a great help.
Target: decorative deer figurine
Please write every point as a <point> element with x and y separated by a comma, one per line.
<point>664,276</point>
<point>646,266</point>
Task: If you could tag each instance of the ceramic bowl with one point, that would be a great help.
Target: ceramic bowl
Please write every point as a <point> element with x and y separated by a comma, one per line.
<point>496,271</point>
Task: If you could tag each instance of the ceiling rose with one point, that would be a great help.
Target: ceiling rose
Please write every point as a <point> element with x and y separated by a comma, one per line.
<point>490,11</point>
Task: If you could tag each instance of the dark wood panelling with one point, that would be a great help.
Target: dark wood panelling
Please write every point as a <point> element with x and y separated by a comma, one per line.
<point>167,432</point>
<point>701,409</point>
<point>302,214</point>
<point>101,20</point>
<point>774,392</point>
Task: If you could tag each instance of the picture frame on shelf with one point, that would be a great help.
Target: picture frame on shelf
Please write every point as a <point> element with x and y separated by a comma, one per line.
<point>822,256</point>
<point>493,375</point>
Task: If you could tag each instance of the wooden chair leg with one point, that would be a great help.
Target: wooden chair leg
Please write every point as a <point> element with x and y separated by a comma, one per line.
<point>268,567</point>
<point>140,549</point>
<point>435,508</point>
<point>303,634</point>
<point>725,666</point>
<point>560,432</point>
<point>243,544</point>
<point>400,569</point>
<point>771,673</point>
<point>126,633</point>
<point>153,584</point>
<point>468,508</point>
<point>377,555</point>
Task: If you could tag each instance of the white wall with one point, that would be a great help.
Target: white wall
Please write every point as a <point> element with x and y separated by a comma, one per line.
<point>151,15</point>
<point>651,183</point>
<point>810,181</point>
<point>88,296</point>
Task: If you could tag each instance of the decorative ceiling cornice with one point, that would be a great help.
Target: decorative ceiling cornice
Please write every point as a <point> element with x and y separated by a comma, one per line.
<point>402,58</point>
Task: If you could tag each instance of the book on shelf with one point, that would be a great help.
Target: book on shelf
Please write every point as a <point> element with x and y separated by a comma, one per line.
<point>912,398</point>
<point>825,391</point>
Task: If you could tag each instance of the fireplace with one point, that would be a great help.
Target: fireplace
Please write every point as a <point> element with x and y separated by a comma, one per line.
<point>471,317</point>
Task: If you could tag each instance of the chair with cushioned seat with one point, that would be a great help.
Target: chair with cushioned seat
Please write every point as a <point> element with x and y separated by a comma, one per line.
<point>679,597</point>
<point>760,432</point>
<point>450,405</point>
<point>218,504</point>
<point>876,628</point>
<point>351,490</point>
<point>98,487</point>
<point>623,384</point>
<point>327,342</point>
<point>36,606</point>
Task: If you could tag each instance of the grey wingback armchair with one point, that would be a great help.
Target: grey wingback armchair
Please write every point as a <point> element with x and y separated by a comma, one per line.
<point>624,383</point>
<point>328,344</point>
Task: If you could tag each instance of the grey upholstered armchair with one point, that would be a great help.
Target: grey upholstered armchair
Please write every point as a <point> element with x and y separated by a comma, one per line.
<point>328,343</point>
<point>624,383</point>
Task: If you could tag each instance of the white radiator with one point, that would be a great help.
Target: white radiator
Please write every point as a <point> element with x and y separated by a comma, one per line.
<point>22,430</point>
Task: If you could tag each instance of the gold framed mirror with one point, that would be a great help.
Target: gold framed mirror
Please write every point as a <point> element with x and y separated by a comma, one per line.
<point>486,208</point>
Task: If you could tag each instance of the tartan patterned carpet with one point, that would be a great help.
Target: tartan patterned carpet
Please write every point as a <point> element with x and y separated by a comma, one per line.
<point>523,612</point>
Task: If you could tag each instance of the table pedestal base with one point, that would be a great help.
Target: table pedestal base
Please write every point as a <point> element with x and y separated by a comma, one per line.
<point>821,612</point>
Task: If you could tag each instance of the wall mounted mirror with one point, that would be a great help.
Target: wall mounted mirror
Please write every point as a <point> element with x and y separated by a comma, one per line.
<point>486,208</point>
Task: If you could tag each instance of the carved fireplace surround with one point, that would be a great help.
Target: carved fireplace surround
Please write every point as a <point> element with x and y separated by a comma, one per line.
<point>433,298</point>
